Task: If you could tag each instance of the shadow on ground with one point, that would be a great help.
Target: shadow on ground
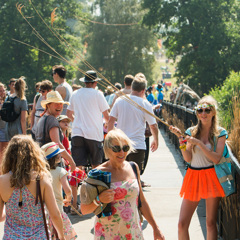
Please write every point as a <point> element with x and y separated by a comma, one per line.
<point>201,209</point>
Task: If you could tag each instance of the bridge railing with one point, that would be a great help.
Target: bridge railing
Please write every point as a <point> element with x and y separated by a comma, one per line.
<point>229,209</point>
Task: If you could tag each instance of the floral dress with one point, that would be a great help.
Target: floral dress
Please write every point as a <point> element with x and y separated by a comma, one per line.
<point>124,223</point>
<point>24,220</point>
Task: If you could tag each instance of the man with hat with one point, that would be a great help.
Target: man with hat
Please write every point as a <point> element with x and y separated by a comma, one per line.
<point>87,106</point>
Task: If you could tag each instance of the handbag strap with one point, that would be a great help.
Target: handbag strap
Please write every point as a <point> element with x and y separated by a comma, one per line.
<point>136,175</point>
<point>39,195</point>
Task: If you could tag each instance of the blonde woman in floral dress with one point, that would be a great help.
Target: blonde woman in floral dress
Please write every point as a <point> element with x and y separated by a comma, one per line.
<point>124,223</point>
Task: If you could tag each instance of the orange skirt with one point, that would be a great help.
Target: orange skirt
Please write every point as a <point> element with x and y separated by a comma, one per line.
<point>201,183</point>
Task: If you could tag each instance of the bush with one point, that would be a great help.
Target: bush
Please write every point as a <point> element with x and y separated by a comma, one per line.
<point>225,96</point>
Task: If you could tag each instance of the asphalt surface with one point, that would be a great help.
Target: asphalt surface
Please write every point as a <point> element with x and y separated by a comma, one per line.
<point>165,170</point>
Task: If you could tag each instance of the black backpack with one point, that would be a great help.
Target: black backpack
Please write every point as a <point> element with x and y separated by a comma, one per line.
<point>7,112</point>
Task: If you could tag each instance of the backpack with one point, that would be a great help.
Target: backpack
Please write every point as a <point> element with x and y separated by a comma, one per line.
<point>7,112</point>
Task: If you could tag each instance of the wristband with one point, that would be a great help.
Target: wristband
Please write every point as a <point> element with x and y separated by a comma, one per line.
<point>183,147</point>
<point>184,141</point>
<point>97,204</point>
<point>98,200</point>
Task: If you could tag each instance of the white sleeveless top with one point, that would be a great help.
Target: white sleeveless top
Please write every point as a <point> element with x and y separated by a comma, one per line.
<point>199,160</point>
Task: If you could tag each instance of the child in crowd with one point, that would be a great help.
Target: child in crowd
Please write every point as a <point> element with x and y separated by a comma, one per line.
<point>77,175</point>
<point>59,183</point>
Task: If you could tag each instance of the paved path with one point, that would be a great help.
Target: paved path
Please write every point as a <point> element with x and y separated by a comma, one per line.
<point>164,172</point>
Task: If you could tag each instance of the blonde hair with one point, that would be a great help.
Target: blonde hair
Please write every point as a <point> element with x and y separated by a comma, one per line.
<point>20,87</point>
<point>22,156</point>
<point>119,136</point>
<point>214,132</point>
<point>3,86</point>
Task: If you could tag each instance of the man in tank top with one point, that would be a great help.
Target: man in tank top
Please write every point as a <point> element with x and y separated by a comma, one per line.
<point>65,90</point>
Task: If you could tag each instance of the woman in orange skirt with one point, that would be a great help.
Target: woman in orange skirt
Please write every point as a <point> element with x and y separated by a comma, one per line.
<point>200,181</point>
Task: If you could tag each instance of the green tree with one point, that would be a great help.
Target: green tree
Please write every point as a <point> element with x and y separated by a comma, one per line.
<point>117,50</point>
<point>18,60</point>
<point>225,96</point>
<point>201,33</point>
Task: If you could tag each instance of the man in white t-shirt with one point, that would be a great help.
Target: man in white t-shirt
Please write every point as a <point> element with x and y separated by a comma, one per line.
<point>132,120</point>
<point>87,106</point>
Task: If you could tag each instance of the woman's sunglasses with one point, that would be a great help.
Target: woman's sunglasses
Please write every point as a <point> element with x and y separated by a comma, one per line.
<point>42,91</point>
<point>125,148</point>
<point>207,111</point>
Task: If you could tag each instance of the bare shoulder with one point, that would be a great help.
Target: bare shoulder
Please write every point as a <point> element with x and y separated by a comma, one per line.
<point>5,181</point>
<point>104,166</point>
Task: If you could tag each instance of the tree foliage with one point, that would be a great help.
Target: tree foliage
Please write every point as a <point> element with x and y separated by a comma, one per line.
<point>225,96</point>
<point>204,33</point>
<point>18,60</point>
<point>117,50</point>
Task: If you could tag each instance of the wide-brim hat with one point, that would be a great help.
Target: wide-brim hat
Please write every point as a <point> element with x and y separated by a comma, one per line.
<point>51,149</point>
<point>90,76</point>
<point>90,189</point>
<point>53,97</point>
<point>63,117</point>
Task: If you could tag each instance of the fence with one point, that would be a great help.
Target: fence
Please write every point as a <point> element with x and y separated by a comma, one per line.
<point>229,209</point>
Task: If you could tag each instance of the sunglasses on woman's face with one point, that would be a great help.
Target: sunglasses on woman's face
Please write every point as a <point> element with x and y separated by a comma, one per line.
<point>42,91</point>
<point>125,148</point>
<point>207,110</point>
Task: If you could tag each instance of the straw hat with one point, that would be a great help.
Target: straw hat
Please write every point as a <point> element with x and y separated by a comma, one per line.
<point>63,117</point>
<point>90,77</point>
<point>51,149</point>
<point>53,97</point>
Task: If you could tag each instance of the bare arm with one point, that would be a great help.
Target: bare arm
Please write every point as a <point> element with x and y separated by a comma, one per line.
<point>111,123</point>
<point>214,156</point>
<point>106,196</point>
<point>2,210</point>
<point>70,114</point>
<point>54,135</point>
<point>106,116</point>
<point>147,213</point>
<point>23,122</point>
<point>49,199</point>
<point>187,154</point>
<point>67,190</point>
<point>154,131</point>
<point>62,91</point>
<point>33,112</point>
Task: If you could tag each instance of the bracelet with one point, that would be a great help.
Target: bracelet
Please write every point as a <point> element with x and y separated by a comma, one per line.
<point>97,204</point>
<point>98,200</point>
<point>184,141</point>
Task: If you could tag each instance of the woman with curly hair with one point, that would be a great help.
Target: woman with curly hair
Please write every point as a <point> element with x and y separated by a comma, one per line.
<point>205,147</point>
<point>23,162</point>
<point>3,140</point>
<point>20,106</point>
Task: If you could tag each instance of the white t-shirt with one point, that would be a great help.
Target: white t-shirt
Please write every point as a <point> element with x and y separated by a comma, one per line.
<point>88,105</point>
<point>131,120</point>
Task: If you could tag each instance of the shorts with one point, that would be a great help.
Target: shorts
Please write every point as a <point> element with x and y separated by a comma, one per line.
<point>86,149</point>
<point>201,183</point>
<point>137,157</point>
<point>3,135</point>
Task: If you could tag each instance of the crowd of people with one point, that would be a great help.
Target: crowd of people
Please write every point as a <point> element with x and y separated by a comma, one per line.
<point>122,152</point>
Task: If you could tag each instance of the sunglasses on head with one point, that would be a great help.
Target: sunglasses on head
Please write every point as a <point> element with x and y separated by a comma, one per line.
<point>207,110</point>
<point>125,148</point>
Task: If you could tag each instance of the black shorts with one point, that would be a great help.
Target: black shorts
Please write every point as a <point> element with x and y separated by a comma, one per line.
<point>85,149</point>
<point>138,158</point>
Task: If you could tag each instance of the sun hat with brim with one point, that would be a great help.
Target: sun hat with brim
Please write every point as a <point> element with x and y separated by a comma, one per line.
<point>53,97</point>
<point>90,77</point>
<point>90,189</point>
<point>63,117</point>
<point>51,149</point>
